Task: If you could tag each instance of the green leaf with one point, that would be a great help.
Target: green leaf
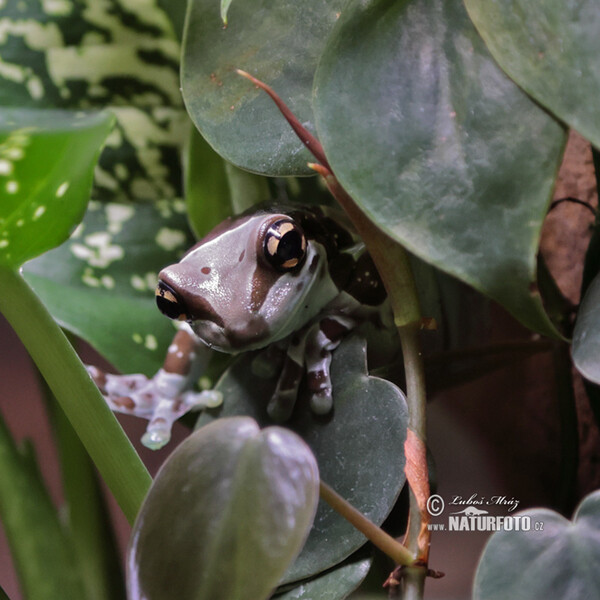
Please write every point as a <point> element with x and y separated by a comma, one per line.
<point>226,514</point>
<point>47,160</point>
<point>43,553</point>
<point>550,48</point>
<point>556,558</point>
<point>100,284</point>
<point>586,335</point>
<point>96,426</point>
<point>224,9</point>
<point>349,461</point>
<point>438,146</point>
<point>3,594</point>
<point>334,584</point>
<point>86,513</point>
<point>278,42</point>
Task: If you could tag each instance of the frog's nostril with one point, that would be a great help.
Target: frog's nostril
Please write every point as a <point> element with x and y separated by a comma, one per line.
<point>169,303</point>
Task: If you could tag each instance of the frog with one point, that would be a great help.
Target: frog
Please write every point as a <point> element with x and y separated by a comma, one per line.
<point>290,281</point>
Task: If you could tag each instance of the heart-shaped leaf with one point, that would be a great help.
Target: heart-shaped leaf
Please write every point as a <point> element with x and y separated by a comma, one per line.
<point>226,514</point>
<point>265,38</point>
<point>47,160</point>
<point>438,146</point>
<point>586,335</point>
<point>365,409</point>
<point>555,558</point>
<point>100,284</point>
<point>551,50</point>
<point>334,584</point>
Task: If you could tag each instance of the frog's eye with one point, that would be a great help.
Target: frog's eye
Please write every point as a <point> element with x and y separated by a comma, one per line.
<point>285,245</point>
<point>169,303</point>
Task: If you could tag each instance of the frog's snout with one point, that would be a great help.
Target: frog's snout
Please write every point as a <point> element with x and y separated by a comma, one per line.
<point>169,303</point>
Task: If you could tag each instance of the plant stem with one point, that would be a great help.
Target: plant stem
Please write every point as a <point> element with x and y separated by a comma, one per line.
<point>414,583</point>
<point>393,266</point>
<point>386,543</point>
<point>96,426</point>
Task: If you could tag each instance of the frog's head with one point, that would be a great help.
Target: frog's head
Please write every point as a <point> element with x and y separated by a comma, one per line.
<point>251,281</point>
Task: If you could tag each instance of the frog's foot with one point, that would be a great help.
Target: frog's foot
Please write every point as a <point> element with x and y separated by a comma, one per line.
<point>311,353</point>
<point>320,344</point>
<point>167,411</point>
<point>161,400</point>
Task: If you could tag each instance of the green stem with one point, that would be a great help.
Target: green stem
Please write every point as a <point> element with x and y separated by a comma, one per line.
<point>87,514</point>
<point>394,268</point>
<point>414,583</point>
<point>96,426</point>
<point>386,543</point>
<point>393,265</point>
<point>415,395</point>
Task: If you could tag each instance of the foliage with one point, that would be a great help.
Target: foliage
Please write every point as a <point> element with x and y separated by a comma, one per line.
<point>555,558</point>
<point>445,123</point>
<point>245,477</point>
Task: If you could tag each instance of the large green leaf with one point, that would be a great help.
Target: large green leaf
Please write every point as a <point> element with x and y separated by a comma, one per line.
<point>277,41</point>
<point>438,146</point>
<point>366,409</point>
<point>44,554</point>
<point>100,284</point>
<point>556,558</point>
<point>226,514</point>
<point>586,335</point>
<point>550,48</point>
<point>47,160</point>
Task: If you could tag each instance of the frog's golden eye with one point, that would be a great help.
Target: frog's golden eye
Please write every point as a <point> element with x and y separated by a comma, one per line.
<point>169,303</point>
<point>285,245</point>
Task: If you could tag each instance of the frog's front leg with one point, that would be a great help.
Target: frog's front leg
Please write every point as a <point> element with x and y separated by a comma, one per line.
<point>310,353</point>
<point>165,397</point>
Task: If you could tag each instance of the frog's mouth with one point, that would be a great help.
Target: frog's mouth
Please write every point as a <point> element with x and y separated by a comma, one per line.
<point>249,334</point>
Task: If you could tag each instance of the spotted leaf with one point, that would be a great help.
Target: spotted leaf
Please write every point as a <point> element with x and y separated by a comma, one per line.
<point>121,55</point>
<point>46,165</point>
<point>100,284</point>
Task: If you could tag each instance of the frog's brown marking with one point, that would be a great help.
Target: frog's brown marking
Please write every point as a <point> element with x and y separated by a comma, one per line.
<point>262,282</point>
<point>333,329</point>
<point>178,359</point>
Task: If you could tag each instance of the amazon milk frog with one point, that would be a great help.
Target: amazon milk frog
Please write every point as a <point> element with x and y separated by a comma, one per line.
<point>286,277</point>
